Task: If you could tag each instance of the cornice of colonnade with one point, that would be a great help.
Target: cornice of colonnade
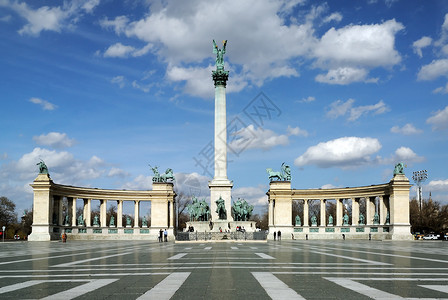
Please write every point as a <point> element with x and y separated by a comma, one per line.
<point>283,188</point>
<point>342,193</point>
<point>160,191</point>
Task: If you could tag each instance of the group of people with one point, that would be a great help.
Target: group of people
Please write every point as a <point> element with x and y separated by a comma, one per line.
<point>278,235</point>
<point>163,235</point>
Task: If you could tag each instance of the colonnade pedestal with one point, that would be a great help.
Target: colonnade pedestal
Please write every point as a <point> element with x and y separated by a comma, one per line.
<point>49,221</point>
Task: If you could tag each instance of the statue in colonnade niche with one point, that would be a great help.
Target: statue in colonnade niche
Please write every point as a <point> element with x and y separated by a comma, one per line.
<point>66,220</point>
<point>330,220</point>
<point>298,221</point>
<point>345,219</point>
<point>112,221</point>
<point>80,220</point>
<point>96,221</point>
<point>314,220</point>
<point>376,219</point>
<point>387,219</point>
<point>144,222</point>
<point>361,219</point>
<point>128,221</point>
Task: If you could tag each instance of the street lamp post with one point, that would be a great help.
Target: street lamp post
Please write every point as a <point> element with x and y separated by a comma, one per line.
<point>419,177</point>
<point>3,229</point>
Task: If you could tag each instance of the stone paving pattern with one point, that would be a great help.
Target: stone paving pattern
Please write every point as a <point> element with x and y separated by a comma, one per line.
<point>274,270</point>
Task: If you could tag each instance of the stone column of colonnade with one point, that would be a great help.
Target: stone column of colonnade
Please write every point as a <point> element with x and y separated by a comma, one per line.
<point>383,210</point>
<point>103,213</point>
<point>322,212</point>
<point>60,217</point>
<point>369,215</point>
<point>271,212</point>
<point>306,213</point>
<point>339,212</point>
<point>72,210</point>
<point>355,211</point>
<point>87,212</point>
<point>136,213</point>
<point>119,213</point>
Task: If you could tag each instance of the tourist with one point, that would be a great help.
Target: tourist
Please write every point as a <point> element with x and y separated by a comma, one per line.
<point>279,235</point>
<point>275,235</point>
<point>160,235</point>
<point>165,234</point>
<point>64,237</point>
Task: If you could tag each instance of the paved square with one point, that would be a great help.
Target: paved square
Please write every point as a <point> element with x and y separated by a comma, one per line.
<point>274,270</point>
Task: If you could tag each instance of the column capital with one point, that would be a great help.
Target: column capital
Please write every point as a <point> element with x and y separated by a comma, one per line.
<point>220,77</point>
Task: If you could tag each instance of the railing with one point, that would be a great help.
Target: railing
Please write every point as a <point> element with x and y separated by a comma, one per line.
<point>215,236</point>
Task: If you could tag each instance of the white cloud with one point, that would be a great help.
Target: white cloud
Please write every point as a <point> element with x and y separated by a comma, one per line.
<point>438,185</point>
<point>439,120</point>
<point>191,184</point>
<point>47,18</point>
<point>119,80</point>
<point>420,44</point>
<point>340,108</point>
<point>359,45</point>
<point>259,138</point>
<point>118,24</point>
<point>407,129</point>
<point>54,139</point>
<point>253,195</point>
<point>307,99</point>
<point>328,186</point>
<point>296,131</point>
<point>117,172</point>
<point>441,90</point>
<point>118,50</point>
<point>43,103</point>
<point>433,70</point>
<point>406,154</point>
<point>337,17</point>
<point>344,76</point>
<point>141,182</point>
<point>343,152</point>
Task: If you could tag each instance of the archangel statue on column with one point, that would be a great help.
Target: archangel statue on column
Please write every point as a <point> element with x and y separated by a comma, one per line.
<point>219,54</point>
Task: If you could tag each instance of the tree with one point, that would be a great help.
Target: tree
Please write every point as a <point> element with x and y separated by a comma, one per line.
<point>8,215</point>
<point>182,212</point>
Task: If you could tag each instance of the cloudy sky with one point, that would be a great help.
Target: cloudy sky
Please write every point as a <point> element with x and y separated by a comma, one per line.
<point>339,90</point>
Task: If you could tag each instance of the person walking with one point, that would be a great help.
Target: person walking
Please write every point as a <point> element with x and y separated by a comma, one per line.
<point>275,235</point>
<point>165,234</point>
<point>160,235</point>
<point>279,235</point>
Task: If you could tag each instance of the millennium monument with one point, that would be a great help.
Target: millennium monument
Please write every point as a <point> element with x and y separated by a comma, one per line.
<point>368,212</point>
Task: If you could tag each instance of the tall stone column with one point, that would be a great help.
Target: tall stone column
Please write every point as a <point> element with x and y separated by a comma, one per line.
<point>220,186</point>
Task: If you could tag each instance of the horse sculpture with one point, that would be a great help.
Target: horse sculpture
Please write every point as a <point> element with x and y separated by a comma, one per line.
<point>242,210</point>
<point>274,175</point>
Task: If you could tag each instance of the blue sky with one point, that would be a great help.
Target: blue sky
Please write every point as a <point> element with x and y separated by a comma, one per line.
<point>99,89</point>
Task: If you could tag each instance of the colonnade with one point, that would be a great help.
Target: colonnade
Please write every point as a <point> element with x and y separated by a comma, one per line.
<point>386,211</point>
<point>49,220</point>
